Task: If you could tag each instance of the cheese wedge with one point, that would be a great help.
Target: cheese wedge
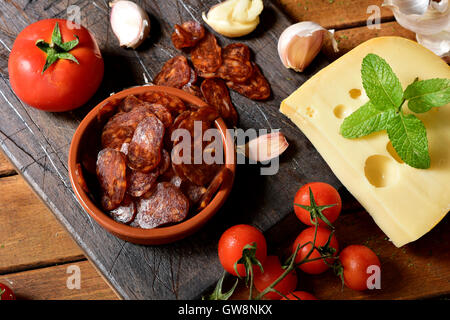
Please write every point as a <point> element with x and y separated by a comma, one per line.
<point>404,202</point>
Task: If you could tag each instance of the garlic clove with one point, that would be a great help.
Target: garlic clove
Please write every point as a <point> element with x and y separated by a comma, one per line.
<point>234,18</point>
<point>439,43</point>
<point>129,22</point>
<point>300,43</point>
<point>434,20</point>
<point>265,147</point>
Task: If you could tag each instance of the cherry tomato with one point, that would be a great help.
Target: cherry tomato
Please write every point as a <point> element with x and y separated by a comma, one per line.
<point>232,243</point>
<point>300,295</point>
<point>272,271</point>
<point>324,194</point>
<point>355,260</point>
<point>6,293</point>
<point>307,235</point>
<point>65,85</point>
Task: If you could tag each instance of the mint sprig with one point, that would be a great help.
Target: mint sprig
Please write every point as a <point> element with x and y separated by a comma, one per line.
<point>384,110</point>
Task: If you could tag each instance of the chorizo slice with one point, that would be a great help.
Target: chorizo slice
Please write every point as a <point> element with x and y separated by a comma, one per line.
<point>144,151</point>
<point>162,113</point>
<point>112,176</point>
<point>129,103</point>
<point>120,128</point>
<point>213,187</point>
<point>176,72</point>
<point>216,95</point>
<point>166,205</point>
<point>187,35</point>
<point>207,54</point>
<point>193,192</point>
<point>172,103</point>
<point>126,212</point>
<point>255,88</point>
<point>140,182</point>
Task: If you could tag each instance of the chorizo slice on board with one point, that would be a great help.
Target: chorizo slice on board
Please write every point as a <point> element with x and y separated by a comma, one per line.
<point>255,88</point>
<point>167,204</point>
<point>112,176</point>
<point>216,95</point>
<point>176,72</point>
<point>144,151</point>
<point>207,54</point>
<point>187,35</point>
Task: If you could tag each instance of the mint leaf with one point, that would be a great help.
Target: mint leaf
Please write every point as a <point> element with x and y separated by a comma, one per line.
<point>409,138</point>
<point>365,120</point>
<point>425,94</point>
<point>380,83</point>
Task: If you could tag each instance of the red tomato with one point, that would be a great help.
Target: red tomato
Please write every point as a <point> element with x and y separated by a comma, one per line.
<point>233,241</point>
<point>300,295</point>
<point>324,194</point>
<point>6,293</point>
<point>272,271</point>
<point>65,85</point>
<point>307,235</point>
<point>355,260</point>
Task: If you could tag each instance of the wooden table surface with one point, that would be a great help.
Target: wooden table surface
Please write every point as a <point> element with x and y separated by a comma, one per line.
<point>36,251</point>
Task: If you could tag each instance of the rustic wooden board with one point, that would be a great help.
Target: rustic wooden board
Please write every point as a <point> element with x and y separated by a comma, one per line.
<point>6,168</point>
<point>30,236</point>
<point>51,284</point>
<point>37,143</point>
<point>335,14</point>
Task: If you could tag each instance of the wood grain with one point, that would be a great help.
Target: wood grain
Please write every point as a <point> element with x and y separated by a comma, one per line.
<point>334,14</point>
<point>350,38</point>
<point>6,168</point>
<point>30,236</point>
<point>51,284</point>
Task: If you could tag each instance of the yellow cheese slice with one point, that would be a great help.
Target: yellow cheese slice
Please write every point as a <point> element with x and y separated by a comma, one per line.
<point>404,202</point>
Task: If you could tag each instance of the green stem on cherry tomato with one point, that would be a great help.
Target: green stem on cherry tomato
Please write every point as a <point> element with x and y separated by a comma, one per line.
<point>316,211</point>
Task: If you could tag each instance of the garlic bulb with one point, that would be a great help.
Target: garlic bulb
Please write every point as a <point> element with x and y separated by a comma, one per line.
<point>300,43</point>
<point>430,20</point>
<point>129,22</point>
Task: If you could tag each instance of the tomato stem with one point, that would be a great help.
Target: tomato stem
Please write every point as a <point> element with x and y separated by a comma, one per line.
<point>57,49</point>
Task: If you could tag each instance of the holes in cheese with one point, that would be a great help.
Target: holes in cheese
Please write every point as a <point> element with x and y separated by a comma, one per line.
<point>341,111</point>
<point>408,202</point>
<point>393,153</point>
<point>355,93</point>
<point>381,171</point>
<point>310,112</point>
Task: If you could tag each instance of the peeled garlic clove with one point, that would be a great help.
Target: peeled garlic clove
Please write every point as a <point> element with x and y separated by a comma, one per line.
<point>234,18</point>
<point>129,22</point>
<point>300,43</point>
<point>265,147</point>
<point>434,20</point>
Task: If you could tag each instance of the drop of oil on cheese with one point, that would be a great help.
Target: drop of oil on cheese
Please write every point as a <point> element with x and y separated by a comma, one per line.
<point>393,153</point>
<point>309,112</point>
<point>355,93</point>
<point>341,111</point>
<point>381,171</point>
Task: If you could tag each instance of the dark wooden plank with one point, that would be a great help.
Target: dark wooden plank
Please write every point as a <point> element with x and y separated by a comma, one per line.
<point>6,168</point>
<point>335,14</point>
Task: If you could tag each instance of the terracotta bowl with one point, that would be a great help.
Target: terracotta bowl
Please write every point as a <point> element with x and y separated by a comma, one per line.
<point>85,141</point>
